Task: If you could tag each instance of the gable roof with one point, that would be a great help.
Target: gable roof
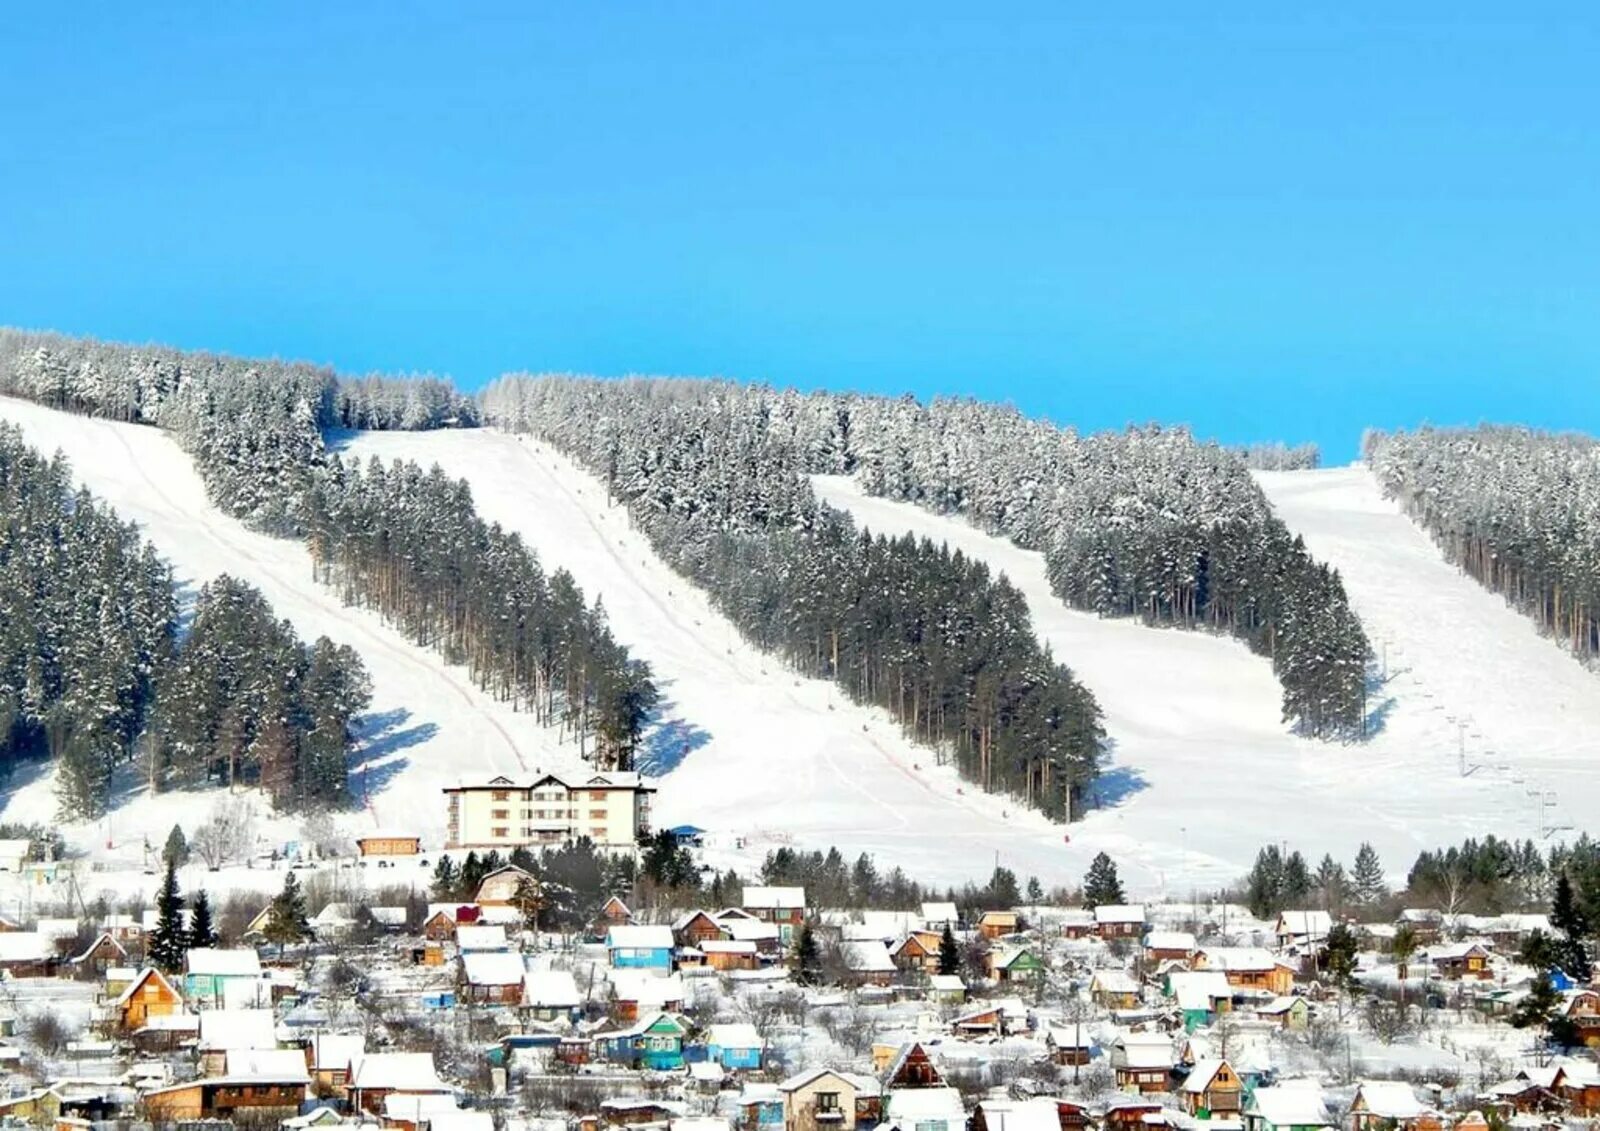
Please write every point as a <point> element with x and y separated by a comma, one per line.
<point>629,937</point>
<point>140,979</point>
<point>492,968</point>
<point>1305,923</point>
<point>227,1029</point>
<point>285,1066</point>
<point>1291,1105</point>
<point>334,1052</point>
<point>811,1075</point>
<point>242,962</point>
<point>867,958</point>
<point>410,1071</point>
<point>1389,1099</point>
<point>1201,1075</point>
<point>550,989</point>
<point>776,898</point>
<point>1119,913</point>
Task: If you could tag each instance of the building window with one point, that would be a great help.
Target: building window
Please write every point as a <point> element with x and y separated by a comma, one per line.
<point>597,814</point>
<point>502,795</point>
<point>501,833</point>
<point>827,1101</point>
<point>501,815</point>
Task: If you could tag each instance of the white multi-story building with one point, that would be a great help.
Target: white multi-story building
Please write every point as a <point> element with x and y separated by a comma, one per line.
<point>610,809</point>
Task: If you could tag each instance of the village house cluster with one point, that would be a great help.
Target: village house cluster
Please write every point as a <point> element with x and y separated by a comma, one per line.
<point>775,1015</point>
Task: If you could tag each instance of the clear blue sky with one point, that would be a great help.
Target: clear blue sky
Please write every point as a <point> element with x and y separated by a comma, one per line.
<point>1270,224</point>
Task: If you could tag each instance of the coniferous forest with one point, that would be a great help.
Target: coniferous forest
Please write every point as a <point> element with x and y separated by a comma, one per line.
<point>1146,522</point>
<point>722,493</point>
<point>405,543</point>
<point>92,671</point>
<point>1517,509</point>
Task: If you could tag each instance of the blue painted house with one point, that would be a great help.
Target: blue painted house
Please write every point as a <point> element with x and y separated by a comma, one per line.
<point>735,1046</point>
<point>208,971</point>
<point>654,1042</point>
<point>640,948</point>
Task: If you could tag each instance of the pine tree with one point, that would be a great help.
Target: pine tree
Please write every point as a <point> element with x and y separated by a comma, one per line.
<point>1296,880</point>
<point>1569,921</point>
<point>1539,1005</point>
<point>286,918</point>
<point>808,958</point>
<point>176,850</point>
<point>1366,878</point>
<point>446,882</point>
<point>1264,884</point>
<point>1338,956</point>
<point>169,942</point>
<point>1101,884</point>
<point>1035,891</point>
<point>949,952</point>
<point>1331,884</point>
<point>202,931</point>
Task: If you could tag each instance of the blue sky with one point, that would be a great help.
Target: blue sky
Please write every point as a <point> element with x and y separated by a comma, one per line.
<point>1274,222</point>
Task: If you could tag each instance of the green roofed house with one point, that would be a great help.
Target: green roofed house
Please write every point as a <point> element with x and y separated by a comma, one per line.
<point>1015,966</point>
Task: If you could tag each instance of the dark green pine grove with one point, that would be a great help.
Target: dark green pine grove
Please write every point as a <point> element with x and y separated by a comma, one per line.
<point>92,672</point>
<point>1517,509</point>
<point>409,544</point>
<point>247,703</point>
<point>920,630</point>
<point>87,627</point>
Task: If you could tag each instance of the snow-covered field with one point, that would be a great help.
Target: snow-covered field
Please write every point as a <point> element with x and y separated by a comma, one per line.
<point>1202,770</point>
<point>1205,771</point>
<point>429,726</point>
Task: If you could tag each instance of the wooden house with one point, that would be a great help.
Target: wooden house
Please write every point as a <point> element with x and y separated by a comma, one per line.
<point>911,1066</point>
<point>1119,921</point>
<point>492,977</point>
<point>820,1100</point>
<point>1114,989</point>
<point>1291,1012</point>
<point>1212,1089</point>
<point>1390,1105</point>
<point>1015,965</point>
<point>1302,928</point>
<point>1248,968</point>
<point>328,1059</point>
<point>1287,1108</point>
<point>783,906</point>
<point>1069,1045</point>
<point>727,954</point>
<point>916,953</point>
<point>241,1098</point>
<point>653,1043</point>
<point>1142,1062</point>
<point>1460,960</point>
<point>151,994</point>
<point>1039,1113</point>
<point>1169,946</point>
<point>868,964</point>
<point>389,844</point>
<point>1129,1113</point>
<point>1582,1010</point>
<point>695,928</point>
<point>101,955</point>
<point>377,1076</point>
<point>998,924</point>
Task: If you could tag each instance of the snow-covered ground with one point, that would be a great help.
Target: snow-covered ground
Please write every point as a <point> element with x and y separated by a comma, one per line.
<point>429,726</point>
<point>1473,685</point>
<point>757,754</point>
<point>1203,772</point>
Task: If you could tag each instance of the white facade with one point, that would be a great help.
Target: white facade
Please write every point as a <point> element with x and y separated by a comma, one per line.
<point>610,809</point>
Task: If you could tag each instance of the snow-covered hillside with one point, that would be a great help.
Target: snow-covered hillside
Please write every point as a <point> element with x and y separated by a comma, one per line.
<point>1470,679</point>
<point>428,728</point>
<point>1206,774</point>
<point>759,755</point>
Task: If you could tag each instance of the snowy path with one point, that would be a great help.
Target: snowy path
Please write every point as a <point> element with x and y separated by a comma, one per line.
<point>430,726</point>
<point>775,758</point>
<point>1471,680</point>
<point>1207,774</point>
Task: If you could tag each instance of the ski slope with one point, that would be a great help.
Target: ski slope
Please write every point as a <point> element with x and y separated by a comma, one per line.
<point>1470,679</point>
<point>758,756</point>
<point>428,727</point>
<point>1203,773</point>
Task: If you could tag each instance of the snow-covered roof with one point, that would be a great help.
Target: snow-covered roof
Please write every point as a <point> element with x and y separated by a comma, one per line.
<point>1037,1114</point>
<point>287,1066</point>
<point>938,914</point>
<point>1305,923</point>
<point>1390,1099</point>
<point>413,1071</point>
<point>333,1052</point>
<point>910,1105</point>
<point>138,982</point>
<point>867,958</point>
<point>1115,982</point>
<point>735,1035</point>
<point>1452,952</point>
<point>233,962</point>
<point>460,1119</point>
<point>749,930</point>
<point>946,983</point>
<point>414,1108</point>
<point>1119,913</point>
<point>479,936</point>
<point>1199,1078</point>
<point>228,1029</point>
<point>775,898</point>
<point>626,937</point>
<point>388,916</point>
<point>1279,1005</point>
<point>1198,989</point>
<point>1169,940</point>
<point>25,946</point>
<point>727,946</point>
<point>1144,1050</point>
<point>1291,1105</point>
<point>645,988</point>
<point>550,989</point>
<point>14,848</point>
<point>1238,958</point>
<point>57,928</point>
<point>493,968</point>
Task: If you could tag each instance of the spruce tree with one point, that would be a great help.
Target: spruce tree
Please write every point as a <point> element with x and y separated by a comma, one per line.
<point>286,918</point>
<point>169,942</point>
<point>1296,880</point>
<point>1101,884</point>
<point>808,958</point>
<point>1035,891</point>
<point>446,882</point>
<point>949,952</point>
<point>202,930</point>
<point>1264,884</point>
<point>1568,919</point>
<point>176,850</point>
<point>1366,878</point>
